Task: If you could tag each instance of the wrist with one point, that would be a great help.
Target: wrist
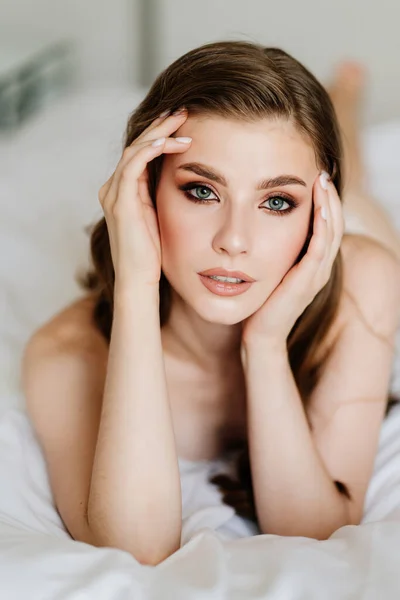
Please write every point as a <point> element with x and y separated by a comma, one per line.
<point>262,354</point>
<point>264,346</point>
<point>133,292</point>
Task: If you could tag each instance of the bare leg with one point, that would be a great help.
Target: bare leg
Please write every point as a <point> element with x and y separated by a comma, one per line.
<point>346,92</point>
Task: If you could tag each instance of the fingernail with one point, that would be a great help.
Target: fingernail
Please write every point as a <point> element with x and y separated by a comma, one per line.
<point>164,114</point>
<point>323,213</point>
<point>324,178</point>
<point>158,142</point>
<point>183,140</point>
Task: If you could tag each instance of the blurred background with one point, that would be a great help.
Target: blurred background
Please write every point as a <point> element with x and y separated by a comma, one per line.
<point>72,71</point>
<point>128,42</point>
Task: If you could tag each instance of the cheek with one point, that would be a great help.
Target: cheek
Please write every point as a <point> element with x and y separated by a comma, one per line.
<point>176,234</point>
<point>281,248</point>
<point>298,238</point>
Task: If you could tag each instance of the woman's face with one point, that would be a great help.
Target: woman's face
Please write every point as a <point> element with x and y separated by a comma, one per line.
<point>235,225</point>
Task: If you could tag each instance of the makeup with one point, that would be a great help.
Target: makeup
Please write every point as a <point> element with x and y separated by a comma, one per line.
<point>221,288</point>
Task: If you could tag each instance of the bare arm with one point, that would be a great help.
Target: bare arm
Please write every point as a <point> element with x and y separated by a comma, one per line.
<point>294,493</point>
<point>110,447</point>
<point>135,495</point>
<point>306,482</point>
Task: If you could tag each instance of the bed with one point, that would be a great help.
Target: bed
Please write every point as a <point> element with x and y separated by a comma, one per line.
<point>50,173</point>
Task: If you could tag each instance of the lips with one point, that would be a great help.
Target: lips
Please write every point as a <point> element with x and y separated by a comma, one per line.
<point>222,288</point>
<point>225,273</point>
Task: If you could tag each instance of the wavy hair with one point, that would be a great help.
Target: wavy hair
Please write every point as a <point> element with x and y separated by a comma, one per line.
<point>245,81</point>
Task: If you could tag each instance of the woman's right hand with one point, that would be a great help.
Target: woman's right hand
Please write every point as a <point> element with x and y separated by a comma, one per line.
<point>129,212</point>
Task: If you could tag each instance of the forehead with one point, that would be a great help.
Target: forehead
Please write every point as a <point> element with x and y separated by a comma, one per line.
<point>265,147</point>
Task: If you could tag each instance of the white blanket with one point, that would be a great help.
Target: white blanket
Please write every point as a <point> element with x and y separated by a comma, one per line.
<point>50,173</point>
<point>220,557</point>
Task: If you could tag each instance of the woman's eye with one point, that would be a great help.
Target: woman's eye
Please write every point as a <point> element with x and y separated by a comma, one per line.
<point>202,192</point>
<point>276,202</point>
<point>276,205</point>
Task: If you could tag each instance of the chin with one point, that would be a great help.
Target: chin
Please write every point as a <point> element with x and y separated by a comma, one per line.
<point>212,308</point>
<point>222,310</point>
<point>220,317</point>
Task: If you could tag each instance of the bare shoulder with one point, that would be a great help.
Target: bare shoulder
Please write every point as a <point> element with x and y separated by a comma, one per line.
<point>366,322</point>
<point>71,329</point>
<point>371,283</point>
<point>67,345</point>
<point>63,375</point>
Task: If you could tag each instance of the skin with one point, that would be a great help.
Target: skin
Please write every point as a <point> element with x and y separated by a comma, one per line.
<point>344,429</point>
<point>232,231</point>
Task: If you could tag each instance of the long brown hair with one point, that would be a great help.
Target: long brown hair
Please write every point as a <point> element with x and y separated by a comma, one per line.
<point>245,81</point>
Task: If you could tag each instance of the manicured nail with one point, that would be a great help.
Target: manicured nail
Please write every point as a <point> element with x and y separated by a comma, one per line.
<point>323,213</point>
<point>324,178</point>
<point>183,140</point>
<point>158,142</point>
<point>164,114</point>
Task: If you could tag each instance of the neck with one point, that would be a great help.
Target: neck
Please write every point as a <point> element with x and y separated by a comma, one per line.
<point>208,345</point>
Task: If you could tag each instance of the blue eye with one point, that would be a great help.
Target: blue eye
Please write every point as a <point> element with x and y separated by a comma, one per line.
<point>205,191</point>
<point>203,197</point>
<point>278,199</point>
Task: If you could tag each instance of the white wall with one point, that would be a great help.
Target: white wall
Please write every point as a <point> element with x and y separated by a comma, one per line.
<point>123,41</point>
<point>317,32</point>
<point>105,32</point>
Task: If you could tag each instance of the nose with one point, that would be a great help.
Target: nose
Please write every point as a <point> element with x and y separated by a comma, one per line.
<point>233,234</point>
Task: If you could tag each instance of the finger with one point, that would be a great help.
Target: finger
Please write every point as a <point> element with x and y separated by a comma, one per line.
<point>108,187</point>
<point>321,193</point>
<point>143,191</point>
<point>170,147</point>
<point>131,150</point>
<point>302,275</point>
<point>306,271</point>
<point>124,186</point>
<point>127,154</point>
<point>330,222</point>
<point>337,216</point>
<point>175,120</point>
<point>111,185</point>
<point>126,182</point>
<point>165,127</point>
<point>153,124</point>
<point>320,237</point>
<point>103,191</point>
<point>158,120</point>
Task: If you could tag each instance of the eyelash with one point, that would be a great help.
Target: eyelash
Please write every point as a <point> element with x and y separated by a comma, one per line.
<point>192,186</point>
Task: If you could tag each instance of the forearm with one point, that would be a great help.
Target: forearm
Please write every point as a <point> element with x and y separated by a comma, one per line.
<point>135,494</point>
<point>293,492</point>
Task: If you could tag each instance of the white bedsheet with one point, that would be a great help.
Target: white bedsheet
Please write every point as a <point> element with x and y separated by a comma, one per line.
<point>50,173</point>
<point>218,557</point>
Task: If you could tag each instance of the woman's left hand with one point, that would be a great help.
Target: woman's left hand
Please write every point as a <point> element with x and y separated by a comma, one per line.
<point>273,321</point>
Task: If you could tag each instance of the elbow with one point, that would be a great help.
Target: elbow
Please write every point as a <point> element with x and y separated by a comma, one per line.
<point>154,561</point>
<point>342,511</point>
<point>151,556</point>
<point>310,529</point>
<point>353,508</point>
<point>319,535</point>
<point>149,559</point>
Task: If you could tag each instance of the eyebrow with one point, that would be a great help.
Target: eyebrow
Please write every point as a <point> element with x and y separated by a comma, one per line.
<point>265,184</point>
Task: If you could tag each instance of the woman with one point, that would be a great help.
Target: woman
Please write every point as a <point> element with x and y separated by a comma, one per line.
<point>161,362</point>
